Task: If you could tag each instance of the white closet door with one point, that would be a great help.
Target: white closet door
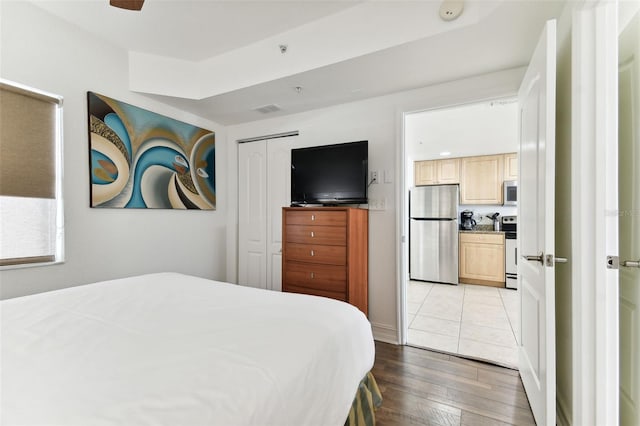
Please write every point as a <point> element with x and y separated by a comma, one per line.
<point>252,214</point>
<point>264,187</point>
<point>278,196</point>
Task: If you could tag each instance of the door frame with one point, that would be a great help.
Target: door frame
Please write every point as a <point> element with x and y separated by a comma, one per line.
<point>595,236</point>
<point>402,197</point>
<point>594,296</point>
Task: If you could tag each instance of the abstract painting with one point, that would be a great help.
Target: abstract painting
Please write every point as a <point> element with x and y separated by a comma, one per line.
<point>140,159</point>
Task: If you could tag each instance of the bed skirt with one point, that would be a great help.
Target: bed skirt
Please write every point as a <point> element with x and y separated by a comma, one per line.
<point>367,400</point>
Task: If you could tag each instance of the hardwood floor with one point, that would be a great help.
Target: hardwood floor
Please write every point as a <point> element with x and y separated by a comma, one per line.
<point>421,387</point>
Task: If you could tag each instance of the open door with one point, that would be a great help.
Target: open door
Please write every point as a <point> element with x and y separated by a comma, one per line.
<point>536,228</point>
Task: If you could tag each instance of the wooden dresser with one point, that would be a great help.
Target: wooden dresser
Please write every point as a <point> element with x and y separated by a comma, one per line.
<point>325,252</point>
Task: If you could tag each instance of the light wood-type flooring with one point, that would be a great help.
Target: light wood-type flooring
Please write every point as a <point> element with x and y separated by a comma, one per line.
<point>421,387</point>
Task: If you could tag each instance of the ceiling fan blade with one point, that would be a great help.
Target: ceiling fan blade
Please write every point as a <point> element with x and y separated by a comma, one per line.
<point>127,4</point>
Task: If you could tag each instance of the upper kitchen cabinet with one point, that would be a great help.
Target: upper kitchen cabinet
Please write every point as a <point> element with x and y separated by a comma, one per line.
<point>425,172</point>
<point>511,166</point>
<point>481,179</point>
<point>437,172</point>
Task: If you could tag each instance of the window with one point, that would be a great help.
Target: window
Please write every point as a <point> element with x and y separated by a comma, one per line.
<point>31,220</point>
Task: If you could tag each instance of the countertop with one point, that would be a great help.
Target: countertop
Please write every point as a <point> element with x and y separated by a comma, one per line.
<point>482,229</point>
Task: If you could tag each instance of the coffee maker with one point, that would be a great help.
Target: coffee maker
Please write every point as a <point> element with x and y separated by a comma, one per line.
<point>466,220</point>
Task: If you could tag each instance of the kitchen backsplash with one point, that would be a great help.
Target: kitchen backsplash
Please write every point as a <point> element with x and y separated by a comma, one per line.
<point>481,213</point>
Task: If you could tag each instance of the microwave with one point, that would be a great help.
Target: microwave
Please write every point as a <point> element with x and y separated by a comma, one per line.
<point>510,196</point>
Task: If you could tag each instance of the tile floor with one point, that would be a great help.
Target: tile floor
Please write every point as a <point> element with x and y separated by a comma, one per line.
<point>476,321</point>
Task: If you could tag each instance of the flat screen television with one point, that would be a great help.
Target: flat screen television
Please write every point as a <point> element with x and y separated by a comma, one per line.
<point>330,174</point>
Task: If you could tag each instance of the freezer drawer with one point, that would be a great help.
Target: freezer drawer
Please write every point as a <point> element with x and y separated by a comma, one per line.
<point>433,250</point>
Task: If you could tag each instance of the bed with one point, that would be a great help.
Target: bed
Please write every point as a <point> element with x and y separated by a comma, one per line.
<point>172,349</point>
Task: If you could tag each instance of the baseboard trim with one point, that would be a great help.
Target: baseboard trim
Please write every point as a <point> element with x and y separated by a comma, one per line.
<point>385,333</point>
<point>563,415</point>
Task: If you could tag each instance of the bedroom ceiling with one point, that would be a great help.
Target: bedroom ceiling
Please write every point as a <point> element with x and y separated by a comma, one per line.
<point>339,51</point>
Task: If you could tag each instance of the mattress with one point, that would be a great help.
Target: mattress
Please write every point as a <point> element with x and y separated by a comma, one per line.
<point>172,349</point>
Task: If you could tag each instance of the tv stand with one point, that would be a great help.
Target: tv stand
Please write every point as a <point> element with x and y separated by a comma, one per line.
<point>325,253</point>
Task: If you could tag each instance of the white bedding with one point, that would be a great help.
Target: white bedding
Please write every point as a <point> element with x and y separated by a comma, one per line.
<point>171,349</point>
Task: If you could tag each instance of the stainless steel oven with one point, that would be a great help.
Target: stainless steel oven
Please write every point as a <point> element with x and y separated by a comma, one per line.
<point>510,196</point>
<point>510,228</point>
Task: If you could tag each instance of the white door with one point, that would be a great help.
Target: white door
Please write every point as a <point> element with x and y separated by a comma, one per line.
<point>264,187</point>
<point>536,211</point>
<point>252,214</point>
<point>278,196</point>
<point>629,220</point>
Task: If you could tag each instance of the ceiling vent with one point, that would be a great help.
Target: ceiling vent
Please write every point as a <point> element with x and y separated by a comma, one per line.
<point>266,109</point>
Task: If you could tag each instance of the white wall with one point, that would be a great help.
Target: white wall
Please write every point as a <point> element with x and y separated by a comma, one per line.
<point>378,120</point>
<point>42,51</point>
<point>466,130</point>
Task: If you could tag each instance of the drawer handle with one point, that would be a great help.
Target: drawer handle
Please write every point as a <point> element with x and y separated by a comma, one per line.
<point>313,217</point>
<point>312,275</point>
<point>312,253</point>
<point>312,234</point>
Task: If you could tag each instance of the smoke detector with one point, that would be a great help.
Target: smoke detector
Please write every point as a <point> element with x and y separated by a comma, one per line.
<point>451,9</point>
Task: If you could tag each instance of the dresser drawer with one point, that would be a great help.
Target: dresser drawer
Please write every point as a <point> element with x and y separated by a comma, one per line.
<point>322,277</point>
<point>317,292</point>
<point>314,253</point>
<point>306,234</point>
<point>315,217</point>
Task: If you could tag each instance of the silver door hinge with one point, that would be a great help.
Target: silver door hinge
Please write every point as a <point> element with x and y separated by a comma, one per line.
<point>613,262</point>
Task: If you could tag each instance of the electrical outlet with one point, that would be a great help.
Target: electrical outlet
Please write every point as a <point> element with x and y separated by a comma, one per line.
<point>377,203</point>
<point>374,176</point>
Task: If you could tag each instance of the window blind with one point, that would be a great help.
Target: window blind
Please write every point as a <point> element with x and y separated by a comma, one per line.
<point>30,225</point>
<point>27,143</point>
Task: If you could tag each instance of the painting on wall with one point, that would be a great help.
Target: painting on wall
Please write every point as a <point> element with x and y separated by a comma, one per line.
<point>142,160</point>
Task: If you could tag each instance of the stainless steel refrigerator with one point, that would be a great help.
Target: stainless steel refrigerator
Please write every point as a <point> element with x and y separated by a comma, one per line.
<point>433,233</point>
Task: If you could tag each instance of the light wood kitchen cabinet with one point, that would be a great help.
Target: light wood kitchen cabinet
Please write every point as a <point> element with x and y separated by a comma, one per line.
<point>482,258</point>
<point>425,172</point>
<point>481,179</point>
<point>448,171</point>
<point>437,172</point>
<point>511,166</point>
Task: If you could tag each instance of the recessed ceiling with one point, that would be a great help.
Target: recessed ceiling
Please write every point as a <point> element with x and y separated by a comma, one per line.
<point>190,29</point>
<point>501,35</point>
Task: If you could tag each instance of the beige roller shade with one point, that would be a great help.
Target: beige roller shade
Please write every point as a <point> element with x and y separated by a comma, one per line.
<point>27,143</point>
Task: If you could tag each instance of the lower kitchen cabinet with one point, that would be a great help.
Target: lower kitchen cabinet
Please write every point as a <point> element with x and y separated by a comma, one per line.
<point>482,258</point>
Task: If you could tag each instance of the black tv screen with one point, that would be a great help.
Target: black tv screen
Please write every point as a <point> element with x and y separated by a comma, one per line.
<point>330,174</point>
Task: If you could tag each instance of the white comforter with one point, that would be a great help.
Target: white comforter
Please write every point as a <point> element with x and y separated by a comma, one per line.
<point>171,349</point>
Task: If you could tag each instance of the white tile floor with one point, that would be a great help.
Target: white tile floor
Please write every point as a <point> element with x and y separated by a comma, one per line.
<point>476,321</point>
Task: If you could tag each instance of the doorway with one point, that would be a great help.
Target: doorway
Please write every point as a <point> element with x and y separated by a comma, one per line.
<point>474,315</point>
